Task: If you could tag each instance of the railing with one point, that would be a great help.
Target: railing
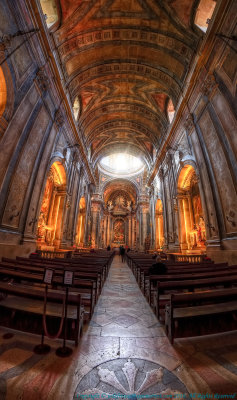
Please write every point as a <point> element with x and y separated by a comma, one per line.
<point>51,254</point>
<point>195,258</point>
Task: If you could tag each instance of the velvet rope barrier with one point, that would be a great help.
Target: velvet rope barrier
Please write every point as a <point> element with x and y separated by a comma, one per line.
<point>44,318</point>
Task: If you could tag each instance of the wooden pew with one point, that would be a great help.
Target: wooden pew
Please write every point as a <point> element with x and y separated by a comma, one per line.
<point>191,314</point>
<point>85,288</point>
<point>175,269</point>
<point>165,288</point>
<point>81,265</point>
<point>153,279</point>
<point>31,266</point>
<point>32,303</point>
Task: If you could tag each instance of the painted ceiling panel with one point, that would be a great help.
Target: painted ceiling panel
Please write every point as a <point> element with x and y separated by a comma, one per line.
<point>125,60</point>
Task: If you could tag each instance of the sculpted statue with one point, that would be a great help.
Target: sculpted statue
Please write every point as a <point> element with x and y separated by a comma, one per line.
<point>110,205</point>
<point>41,227</point>
<point>129,205</point>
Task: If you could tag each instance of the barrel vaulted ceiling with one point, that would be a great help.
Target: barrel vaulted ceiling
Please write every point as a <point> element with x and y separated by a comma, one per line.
<point>125,60</point>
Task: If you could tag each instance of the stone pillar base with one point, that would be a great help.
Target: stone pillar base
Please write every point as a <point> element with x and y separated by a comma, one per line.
<point>13,250</point>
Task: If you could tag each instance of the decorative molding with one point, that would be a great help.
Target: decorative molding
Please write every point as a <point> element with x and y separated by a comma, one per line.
<point>209,85</point>
<point>59,119</point>
<point>189,124</point>
<point>42,80</point>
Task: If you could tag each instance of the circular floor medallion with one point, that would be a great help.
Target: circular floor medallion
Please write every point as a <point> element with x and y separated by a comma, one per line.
<point>130,379</point>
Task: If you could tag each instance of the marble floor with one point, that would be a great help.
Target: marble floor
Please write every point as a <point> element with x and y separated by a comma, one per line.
<point>123,353</point>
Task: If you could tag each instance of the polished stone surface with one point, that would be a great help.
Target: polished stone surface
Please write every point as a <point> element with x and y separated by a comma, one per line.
<point>122,349</point>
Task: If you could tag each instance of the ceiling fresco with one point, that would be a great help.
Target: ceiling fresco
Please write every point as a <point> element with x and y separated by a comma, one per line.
<point>125,60</point>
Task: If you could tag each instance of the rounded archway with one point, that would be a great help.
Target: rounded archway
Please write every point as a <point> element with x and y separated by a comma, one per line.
<point>80,231</point>
<point>52,209</point>
<point>159,225</point>
<point>192,224</point>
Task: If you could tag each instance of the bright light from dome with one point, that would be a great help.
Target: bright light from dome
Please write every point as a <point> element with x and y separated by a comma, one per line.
<point>121,163</point>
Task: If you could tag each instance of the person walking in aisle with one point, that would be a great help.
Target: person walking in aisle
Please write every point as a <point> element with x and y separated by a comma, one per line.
<point>122,253</point>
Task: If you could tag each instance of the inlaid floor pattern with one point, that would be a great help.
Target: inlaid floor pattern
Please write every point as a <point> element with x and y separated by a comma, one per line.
<point>123,352</point>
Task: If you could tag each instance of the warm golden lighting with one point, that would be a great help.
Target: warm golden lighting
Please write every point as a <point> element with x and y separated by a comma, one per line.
<point>193,231</point>
<point>3,92</point>
<point>81,222</point>
<point>60,173</point>
<point>51,213</point>
<point>159,225</point>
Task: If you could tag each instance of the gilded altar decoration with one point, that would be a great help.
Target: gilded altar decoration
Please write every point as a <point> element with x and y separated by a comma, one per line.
<point>119,231</point>
<point>51,212</point>
<point>44,231</point>
<point>120,201</point>
<point>193,231</point>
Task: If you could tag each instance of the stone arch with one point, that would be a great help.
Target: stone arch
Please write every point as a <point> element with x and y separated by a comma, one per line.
<point>159,225</point>
<point>192,224</point>
<point>50,222</point>
<point>81,220</point>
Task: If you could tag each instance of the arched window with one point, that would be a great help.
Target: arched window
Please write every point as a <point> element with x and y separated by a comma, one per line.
<point>50,11</point>
<point>204,13</point>
<point>3,92</point>
<point>170,110</point>
<point>76,108</point>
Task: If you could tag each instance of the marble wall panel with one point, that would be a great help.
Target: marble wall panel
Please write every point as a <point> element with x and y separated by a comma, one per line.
<point>38,190</point>
<point>207,196</point>
<point>226,118</point>
<point>7,22</point>
<point>223,178</point>
<point>21,60</point>
<point>23,172</point>
<point>12,135</point>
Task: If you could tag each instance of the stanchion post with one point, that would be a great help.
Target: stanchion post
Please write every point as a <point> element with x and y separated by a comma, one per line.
<point>43,348</point>
<point>65,351</point>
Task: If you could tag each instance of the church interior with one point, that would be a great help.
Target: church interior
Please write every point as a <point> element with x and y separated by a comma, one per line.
<point>118,129</point>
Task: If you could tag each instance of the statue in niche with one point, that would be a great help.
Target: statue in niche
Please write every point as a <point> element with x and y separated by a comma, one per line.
<point>44,231</point>
<point>129,205</point>
<point>41,227</point>
<point>120,201</point>
<point>110,205</point>
<point>201,231</point>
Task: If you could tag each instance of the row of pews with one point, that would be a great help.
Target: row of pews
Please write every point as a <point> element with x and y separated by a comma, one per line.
<point>191,298</point>
<point>24,300</point>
